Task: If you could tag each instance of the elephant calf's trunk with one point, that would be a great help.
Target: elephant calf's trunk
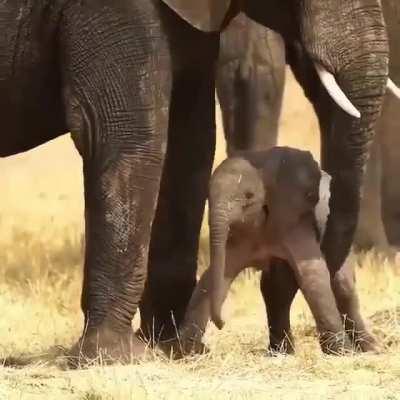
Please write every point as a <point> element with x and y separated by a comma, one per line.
<point>218,238</point>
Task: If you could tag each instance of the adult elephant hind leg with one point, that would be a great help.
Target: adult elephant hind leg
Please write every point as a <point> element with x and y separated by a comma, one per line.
<point>279,287</point>
<point>119,113</point>
<point>184,186</point>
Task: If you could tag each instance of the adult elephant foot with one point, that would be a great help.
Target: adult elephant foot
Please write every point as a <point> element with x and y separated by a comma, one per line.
<point>105,346</point>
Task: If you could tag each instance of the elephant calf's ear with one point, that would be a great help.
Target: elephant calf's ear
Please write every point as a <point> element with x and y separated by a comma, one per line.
<point>206,15</point>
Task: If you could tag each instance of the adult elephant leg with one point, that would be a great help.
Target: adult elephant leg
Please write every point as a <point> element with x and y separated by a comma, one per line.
<point>119,116</point>
<point>184,187</point>
<point>279,287</point>
<point>250,84</point>
<point>389,136</point>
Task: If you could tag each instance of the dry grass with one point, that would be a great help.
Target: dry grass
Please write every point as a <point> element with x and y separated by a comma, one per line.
<point>40,283</point>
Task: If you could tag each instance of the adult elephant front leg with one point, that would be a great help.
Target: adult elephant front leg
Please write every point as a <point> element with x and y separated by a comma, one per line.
<point>118,112</point>
<point>184,187</point>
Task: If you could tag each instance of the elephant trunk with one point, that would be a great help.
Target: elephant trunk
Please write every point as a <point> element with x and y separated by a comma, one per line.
<point>346,140</point>
<point>219,228</point>
<point>346,150</point>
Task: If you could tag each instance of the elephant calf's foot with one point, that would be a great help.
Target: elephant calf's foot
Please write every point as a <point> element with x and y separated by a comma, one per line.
<point>337,344</point>
<point>178,348</point>
<point>187,343</point>
<point>102,345</point>
<point>364,342</point>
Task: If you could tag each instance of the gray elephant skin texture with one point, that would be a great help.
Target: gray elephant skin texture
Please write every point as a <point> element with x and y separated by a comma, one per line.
<point>134,82</point>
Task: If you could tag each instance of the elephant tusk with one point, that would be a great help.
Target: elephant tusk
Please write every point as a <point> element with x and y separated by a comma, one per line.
<point>392,87</point>
<point>334,90</point>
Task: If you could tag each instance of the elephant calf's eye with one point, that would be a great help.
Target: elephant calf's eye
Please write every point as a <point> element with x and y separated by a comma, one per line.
<point>249,195</point>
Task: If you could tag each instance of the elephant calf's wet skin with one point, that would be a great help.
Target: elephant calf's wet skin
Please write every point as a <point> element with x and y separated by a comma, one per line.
<point>263,213</point>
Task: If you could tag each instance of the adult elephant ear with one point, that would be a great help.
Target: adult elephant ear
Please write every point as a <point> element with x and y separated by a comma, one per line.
<point>206,15</point>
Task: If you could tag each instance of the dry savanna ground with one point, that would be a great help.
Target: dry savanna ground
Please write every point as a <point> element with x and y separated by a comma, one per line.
<point>40,283</point>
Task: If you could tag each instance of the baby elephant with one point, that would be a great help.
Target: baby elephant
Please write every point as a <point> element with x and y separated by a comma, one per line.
<point>265,212</point>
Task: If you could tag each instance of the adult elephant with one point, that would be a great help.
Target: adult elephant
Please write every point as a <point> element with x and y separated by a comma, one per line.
<point>132,78</point>
<point>380,209</point>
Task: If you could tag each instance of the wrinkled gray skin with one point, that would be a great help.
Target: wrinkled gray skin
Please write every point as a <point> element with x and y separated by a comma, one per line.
<point>263,214</point>
<point>134,83</point>
<point>379,223</point>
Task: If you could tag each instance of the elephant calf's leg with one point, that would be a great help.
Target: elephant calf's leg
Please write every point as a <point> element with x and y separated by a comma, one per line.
<point>279,287</point>
<point>198,314</point>
<point>314,280</point>
<point>189,337</point>
<point>343,284</point>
